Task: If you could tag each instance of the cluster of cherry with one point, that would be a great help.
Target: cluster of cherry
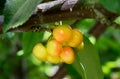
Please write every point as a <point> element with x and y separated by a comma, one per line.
<point>59,48</point>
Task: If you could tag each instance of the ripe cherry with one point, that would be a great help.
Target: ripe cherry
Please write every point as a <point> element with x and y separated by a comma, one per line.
<point>67,55</point>
<point>62,33</point>
<point>54,47</point>
<point>77,38</point>
<point>40,52</point>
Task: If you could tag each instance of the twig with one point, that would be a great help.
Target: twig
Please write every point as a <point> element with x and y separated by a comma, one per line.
<point>98,29</point>
<point>1,23</point>
<point>1,30</point>
<point>60,73</point>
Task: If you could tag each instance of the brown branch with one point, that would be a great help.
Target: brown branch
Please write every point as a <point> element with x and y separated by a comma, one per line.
<point>1,30</point>
<point>60,73</point>
<point>1,24</point>
<point>53,17</point>
<point>98,29</point>
<point>82,12</point>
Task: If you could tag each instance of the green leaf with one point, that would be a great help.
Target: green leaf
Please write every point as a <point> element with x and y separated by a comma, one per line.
<point>117,20</point>
<point>17,12</point>
<point>87,62</point>
<point>29,40</point>
<point>111,5</point>
<point>71,71</point>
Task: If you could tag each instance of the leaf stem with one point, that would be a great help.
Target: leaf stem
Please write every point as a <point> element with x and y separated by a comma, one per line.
<point>85,76</point>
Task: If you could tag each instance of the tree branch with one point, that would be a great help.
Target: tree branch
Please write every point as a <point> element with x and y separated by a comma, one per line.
<point>53,17</point>
<point>1,24</point>
<point>60,73</point>
<point>80,11</point>
<point>1,30</point>
<point>98,29</point>
<point>54,13</point>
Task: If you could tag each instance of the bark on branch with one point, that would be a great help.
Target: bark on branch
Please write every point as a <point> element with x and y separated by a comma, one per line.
<point>80,11</point>
<point>60,73</point>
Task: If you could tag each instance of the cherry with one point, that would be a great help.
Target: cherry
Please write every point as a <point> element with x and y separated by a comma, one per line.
<point>40,52</point>
<point>67,55</point>
<point>54,47</point>
<point>77,38</point>
<point>62,33</point>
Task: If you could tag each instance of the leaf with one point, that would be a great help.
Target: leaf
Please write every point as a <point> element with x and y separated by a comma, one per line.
<point>87,62</point>
<point>71,71</point>
<point>111,5</point>
<point>17,12</point>
<point>117,20</point>
<point>29,40</point>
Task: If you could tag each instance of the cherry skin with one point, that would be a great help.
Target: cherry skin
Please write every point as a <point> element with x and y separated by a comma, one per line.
<point>62,33</point>
<point>67,55</point>
<point>77,38</point>
<point>54,47</point>
<point>40,52</point>
<point>53,59</point>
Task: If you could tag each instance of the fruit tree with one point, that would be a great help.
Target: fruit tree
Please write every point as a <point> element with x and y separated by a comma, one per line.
<point>59,39</point>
